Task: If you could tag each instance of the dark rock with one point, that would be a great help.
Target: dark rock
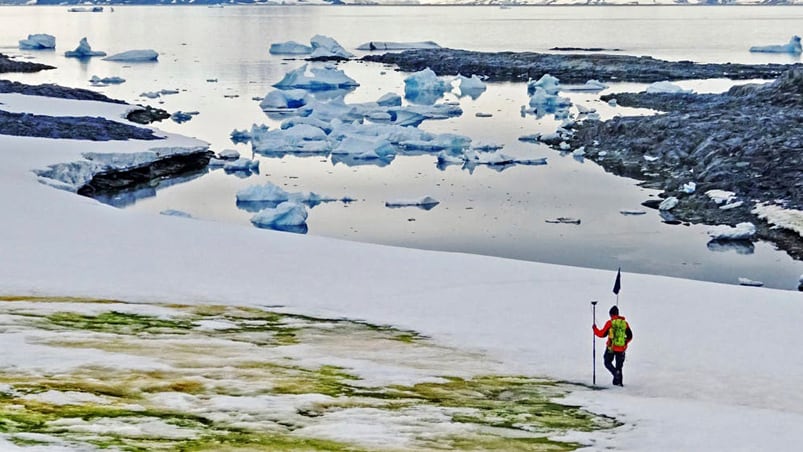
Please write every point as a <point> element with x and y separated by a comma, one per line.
<point>70,127</point>
<point>573,68</point>
<point>147,114</point>
<point>51,90</point>
<point>9,65</point>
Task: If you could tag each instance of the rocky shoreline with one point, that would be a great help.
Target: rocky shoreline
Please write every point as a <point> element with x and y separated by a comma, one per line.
<point>570,68</point>
<point>7,64</point>
<point>748,141</point>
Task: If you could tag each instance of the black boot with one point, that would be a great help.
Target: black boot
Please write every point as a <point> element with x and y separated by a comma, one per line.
<point>617,380</point>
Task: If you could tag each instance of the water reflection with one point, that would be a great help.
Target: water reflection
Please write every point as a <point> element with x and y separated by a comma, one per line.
<point>743,247</point>
<point>130,196</point>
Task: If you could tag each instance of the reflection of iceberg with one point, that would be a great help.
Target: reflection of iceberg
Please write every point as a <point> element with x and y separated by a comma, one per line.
<point>744,247</point>
<point>793,47</point>
<point>425,202</point>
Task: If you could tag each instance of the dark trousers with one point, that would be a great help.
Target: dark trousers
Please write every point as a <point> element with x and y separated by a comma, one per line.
<point>610,356</point>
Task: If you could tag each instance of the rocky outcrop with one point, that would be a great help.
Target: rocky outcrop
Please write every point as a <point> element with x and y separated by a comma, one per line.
<point>9,65</point>
<point>573,68</point>
<point>748,141</point>
<point>51,90</point>
<point>70,127</point>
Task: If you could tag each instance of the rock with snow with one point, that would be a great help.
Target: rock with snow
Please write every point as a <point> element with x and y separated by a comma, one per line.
<point>287,216</point>
<point>324,47</point>
<point>114,80</point>
<point>39,41</point>
<point>134,56</point>
<point>316,78</point>
<point>721,196</point>
<point>424,86</point>
<point>668,203</point>
<point>792,47</point>
<point>781,217</point>
<point>425,201</point>
<point>742,231</point>
<point>388,45</point>
<point>84,50</point>
<point>289,48</point>
<point>665,87</point>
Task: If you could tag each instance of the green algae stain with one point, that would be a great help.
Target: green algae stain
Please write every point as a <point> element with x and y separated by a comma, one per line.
<point>118,323</point>
<point>326,380</point>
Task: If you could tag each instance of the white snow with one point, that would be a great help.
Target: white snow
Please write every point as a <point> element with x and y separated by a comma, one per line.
<point>702,390</point>
<point>134,56</point>
<point>742,231</point>
<point>668,203</point>
<point>38,41</point>
<point>793,47</point>
<point>790,219</point>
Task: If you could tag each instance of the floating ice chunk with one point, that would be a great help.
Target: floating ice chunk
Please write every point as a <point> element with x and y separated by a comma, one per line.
<point>84,50</point>
<point>390,100</point>
<point>666,87</point>
<point>386,45</point>
<point>543,102</point>
<point>134,56</point>
<point>721,196</point>
<point>183,116</point>
<point>420,202</point>
<point>279,100</point>
<point>532,138</point>
<point>742,231</point>
<point>38,41</point>
<point>563,220</point>
<point>269,192</point>
<point>229,154</point>
<point>444,141</point>
<point>583,110</point>
<point>326,47</point>
<point>289,48</point>
<point>591,85</point>
<point>689,187</point>
<point>168,91</point>
<point>472,86</point>
<point>668,203</point>
<point>300,138</point>
<point>114,80</point>
<point>242,165</point>
<point>424,85</point>
<point>87,9</point>
<point>316,78</point>
<point>632,212</point>
<point>486,147</point>
<point>749,282</point>
<point>286,216</point>
<point>315,122</point>
<point>365,148</point>
<point>550,85</point>
<point>793,47</point>
<point>447,158</point>
<point>175,213</point>
<point>150,94</point>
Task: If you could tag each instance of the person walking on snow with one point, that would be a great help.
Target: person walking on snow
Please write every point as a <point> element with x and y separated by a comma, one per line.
<point>619,336</point>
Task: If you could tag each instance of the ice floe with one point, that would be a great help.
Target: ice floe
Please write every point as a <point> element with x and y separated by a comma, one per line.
<point>134,56</point>
<point>316,78</point>
<point>665,87</point>
<point>742,231</point>
<point>288,216</point>
<point>589,86</point>
<point>289,48</point>
<point>388,45</point>
<point>38,41</point>
<point>793,47</point>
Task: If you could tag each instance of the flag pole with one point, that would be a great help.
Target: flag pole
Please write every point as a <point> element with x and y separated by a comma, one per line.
<point>594,345</point>
<point>617,285</point>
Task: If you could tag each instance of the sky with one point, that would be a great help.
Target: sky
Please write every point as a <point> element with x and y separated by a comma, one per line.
<point>711,367</point>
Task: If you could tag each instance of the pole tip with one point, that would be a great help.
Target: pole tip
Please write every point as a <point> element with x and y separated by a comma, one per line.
<point>594,302</point>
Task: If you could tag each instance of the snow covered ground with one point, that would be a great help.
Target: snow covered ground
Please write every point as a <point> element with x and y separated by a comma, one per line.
<point>712,367</point>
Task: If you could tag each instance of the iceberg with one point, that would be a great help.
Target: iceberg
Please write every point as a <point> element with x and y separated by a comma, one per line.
<point>542,102</point>
<point>425,201</point>
<point>742,231</point>
<point>589,86</point>
<point>365,148</point>
<point>84,50</point>
<point>550,85</point>
<point>390,100</point>
<point>134,56</point>
<point>386,45</point>
<point>289,48</point>
<point>469,86</point>
<point>228,154</point>
<point>280,100</point>
<point>38,42</point>
<point>316,78</point>
<point>243,165</point>
<point>269,192</point>
<point>793,47</point>
<point>666,87</point>
<point>95,80</point>
<point>324,47</point>
<point>288,216</point>
<point>424,86</point>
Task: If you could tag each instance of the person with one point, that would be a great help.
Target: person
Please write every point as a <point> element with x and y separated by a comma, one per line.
<point>619,336</point>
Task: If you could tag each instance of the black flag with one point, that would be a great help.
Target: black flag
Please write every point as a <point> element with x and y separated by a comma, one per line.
<point>618,284</point>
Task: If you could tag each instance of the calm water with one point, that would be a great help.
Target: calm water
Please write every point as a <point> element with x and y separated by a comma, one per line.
<point>485,211</point>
